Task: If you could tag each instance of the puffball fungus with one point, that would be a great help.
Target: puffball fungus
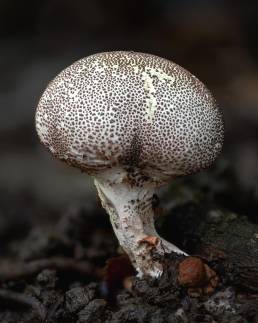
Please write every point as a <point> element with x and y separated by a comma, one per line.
<point>134,121</point>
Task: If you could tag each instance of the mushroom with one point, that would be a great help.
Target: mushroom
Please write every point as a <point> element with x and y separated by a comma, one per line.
<point>134,121</point>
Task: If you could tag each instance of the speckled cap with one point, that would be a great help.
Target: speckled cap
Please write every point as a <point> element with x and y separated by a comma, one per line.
<point>133,110</point>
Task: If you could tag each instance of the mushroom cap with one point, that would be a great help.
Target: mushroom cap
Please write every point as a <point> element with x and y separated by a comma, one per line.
<point>132,110</point>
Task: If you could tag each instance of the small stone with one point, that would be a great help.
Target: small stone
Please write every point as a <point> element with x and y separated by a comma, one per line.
<point>93,312</point>
<point>197,276</point>
<point>212,278</point>
<point>47,278</point>
<point>77,298</point>
<point>180,314</point>
<point>132,313</point>
<point>192,272</point>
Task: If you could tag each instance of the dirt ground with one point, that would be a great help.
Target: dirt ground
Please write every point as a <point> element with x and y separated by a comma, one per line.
<point>72,270</point>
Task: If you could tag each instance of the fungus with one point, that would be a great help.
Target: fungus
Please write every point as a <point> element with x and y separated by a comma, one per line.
<point>134,121</point>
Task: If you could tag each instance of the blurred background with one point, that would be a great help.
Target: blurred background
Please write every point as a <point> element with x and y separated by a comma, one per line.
<point>215,40</point>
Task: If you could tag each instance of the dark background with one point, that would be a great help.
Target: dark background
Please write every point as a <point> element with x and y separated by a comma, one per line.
<point>215,40</point>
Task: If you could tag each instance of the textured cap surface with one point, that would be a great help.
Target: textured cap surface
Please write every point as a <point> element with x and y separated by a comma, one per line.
<point>130,109</point>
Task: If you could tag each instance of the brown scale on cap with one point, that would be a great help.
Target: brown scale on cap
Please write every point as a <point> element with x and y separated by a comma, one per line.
<point>142,116</point>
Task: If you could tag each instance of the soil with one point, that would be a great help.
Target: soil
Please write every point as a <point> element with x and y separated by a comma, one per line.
<point>73,271</point>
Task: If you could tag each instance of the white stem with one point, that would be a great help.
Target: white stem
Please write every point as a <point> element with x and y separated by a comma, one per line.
<point>132,218</point>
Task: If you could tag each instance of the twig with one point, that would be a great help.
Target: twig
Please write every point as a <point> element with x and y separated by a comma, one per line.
<point>17,270</point>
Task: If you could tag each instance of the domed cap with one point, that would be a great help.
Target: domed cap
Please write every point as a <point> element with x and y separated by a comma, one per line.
<point>132,110</point>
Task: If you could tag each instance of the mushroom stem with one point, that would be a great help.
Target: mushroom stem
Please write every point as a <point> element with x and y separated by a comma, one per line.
<point>132,218</point>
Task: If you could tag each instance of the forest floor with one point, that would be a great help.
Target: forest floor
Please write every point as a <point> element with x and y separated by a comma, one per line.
<point>72,270</point>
